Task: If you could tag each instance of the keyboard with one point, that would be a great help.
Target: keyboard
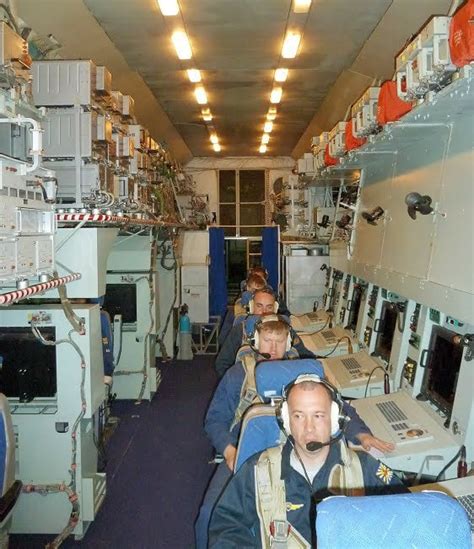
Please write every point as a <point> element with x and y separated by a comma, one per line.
<point>468,503</point>
<point>391,411</point>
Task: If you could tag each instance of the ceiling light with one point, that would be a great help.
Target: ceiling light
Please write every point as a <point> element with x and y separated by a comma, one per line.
<point>216,147</point>
<point>200,94</point>
<point>290,45</point>
<point>214,139</point>
<point>182,45</point>
<point>267,128</point>
<point>272,112</point>
<point>301,6</point>
<point>262,149</point>
<point>206,115</point>
<point>275,96</point>
<point>265,138</point>
<point>271,117</point>
<point>169,7</point>
<point>194,75</point>
<point>281,75</point>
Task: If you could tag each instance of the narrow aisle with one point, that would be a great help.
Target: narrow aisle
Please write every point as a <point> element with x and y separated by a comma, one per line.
<point>157,467</point>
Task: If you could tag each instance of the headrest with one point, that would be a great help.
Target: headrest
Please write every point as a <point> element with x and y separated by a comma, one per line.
<point>260,430</point>
<point>424,519</point>
<point>272,376</point>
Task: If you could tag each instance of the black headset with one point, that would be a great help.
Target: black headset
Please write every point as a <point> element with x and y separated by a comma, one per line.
<point>338,419</point>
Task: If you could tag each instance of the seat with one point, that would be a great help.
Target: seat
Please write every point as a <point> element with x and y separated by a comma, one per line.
<point>423,520</point>
<point>260,429</point>
<point>10,488</point>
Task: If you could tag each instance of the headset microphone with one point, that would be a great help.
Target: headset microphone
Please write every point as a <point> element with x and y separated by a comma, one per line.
<point>266,356</point>
<point>314,446</point>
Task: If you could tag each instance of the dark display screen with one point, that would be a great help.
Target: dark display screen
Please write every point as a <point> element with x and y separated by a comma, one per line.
<point>388,321</point>
<point>121,299</point>
<point>439,384</point>
<point>28,368</point>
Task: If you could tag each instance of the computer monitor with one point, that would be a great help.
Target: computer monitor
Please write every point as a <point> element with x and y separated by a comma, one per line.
<point>355,307</point>
<point>442,369</point>
<point>121,299</point>
<point>28,367</point>
<point>388,321</point>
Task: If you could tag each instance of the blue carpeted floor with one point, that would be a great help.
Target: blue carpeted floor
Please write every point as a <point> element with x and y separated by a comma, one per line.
<point>157,468</point>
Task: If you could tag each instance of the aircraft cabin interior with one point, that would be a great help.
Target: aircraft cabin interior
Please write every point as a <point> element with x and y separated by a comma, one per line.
<point>237,274</point>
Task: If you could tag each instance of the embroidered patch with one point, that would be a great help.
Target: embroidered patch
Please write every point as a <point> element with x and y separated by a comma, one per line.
<point>384,473</point>
<point>293,506</point>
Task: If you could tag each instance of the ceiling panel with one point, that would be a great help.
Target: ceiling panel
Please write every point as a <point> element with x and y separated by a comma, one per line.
<point>237,46</point>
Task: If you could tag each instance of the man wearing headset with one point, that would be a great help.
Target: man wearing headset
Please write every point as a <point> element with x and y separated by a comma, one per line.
<point>313,464</point>
<point>263,303</point>
<point>230,401</point>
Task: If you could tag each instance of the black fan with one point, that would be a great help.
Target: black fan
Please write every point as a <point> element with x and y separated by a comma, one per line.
<point>418,203</point>
<point>373,216</point>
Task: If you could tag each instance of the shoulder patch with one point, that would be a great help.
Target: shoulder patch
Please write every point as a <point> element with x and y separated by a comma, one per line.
<point>384,473</point>
<point>293,506</point>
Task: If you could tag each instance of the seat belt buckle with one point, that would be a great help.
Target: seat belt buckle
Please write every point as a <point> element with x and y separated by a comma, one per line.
<point>279,530</point>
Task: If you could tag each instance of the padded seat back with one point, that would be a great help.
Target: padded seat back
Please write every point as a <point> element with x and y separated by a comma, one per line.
<point>423,520</point>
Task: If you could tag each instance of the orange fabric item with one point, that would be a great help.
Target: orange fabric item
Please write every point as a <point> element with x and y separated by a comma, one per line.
<point>328,159</point>
<point>390,107</point>
<point>461,35</point>
<point>353,142</point>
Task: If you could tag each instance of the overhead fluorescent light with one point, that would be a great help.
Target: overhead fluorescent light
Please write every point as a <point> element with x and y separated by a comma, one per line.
<point>262,149</point>
<point>265,138</point>
<point>291,44</point>
<point>281,75</point>
<point>301,6</point>
<point>267,128</point>
<point>214,139</point>
<point>181,45</point>
<point>200,94</point>
<point>216,147</point>
<point>194,75</point>
<point>168,7</point>
<point>275,96</point>
<point>206,115</point>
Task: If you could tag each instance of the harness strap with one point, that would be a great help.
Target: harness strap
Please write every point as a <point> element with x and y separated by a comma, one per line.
<point>275,530</point>
<point>248,392</point>
<point>347,479</point>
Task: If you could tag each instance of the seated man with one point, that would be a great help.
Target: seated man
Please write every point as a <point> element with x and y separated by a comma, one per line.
<point>273,495</point>
<point>234,395</point>
<point>264,303</point>
<point>254,282</point>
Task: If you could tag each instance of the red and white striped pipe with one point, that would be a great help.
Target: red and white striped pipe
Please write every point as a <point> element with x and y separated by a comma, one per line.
<point>10,297</point>
<point>104,218</point>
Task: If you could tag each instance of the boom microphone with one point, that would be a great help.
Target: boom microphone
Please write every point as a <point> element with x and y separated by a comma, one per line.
<point>314,446</point>
<point>266,356</point>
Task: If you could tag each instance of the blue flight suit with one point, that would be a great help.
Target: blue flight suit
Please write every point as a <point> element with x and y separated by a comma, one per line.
<point>218,422</point>
<point>226,357</point>
<point>234,521</point>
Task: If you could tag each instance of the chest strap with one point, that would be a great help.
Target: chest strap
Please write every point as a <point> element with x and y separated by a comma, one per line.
<point>275,530</point>
<point>347,479</point>
<point>248,392</point>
